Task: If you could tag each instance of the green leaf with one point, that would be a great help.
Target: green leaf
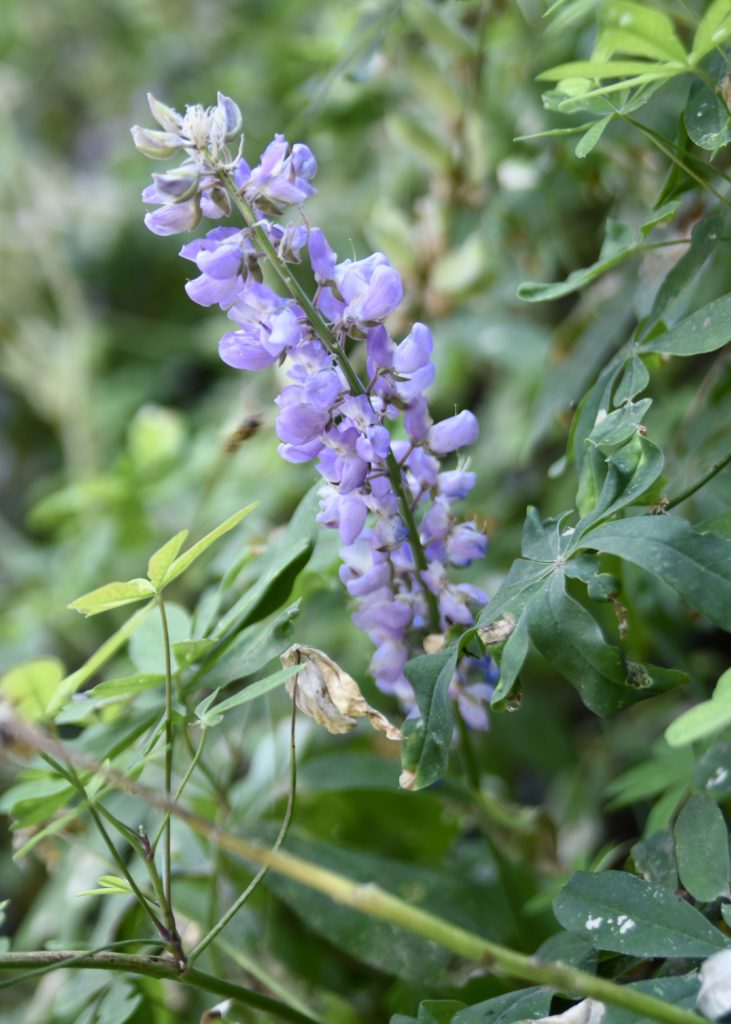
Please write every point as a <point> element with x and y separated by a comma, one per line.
<point>509,658</point>
<point>701,848</point>
<point>642,31</point>
<point>163,558</point>
<point>602,69</point>
<point>713,30</point>
<point>29,687</point>
<point>705,719</point>
<point>654,859</point>
<point>188,652</point>
<point>210,716</point>
<point>680,991</point>
<point>251,650</point>
<point>278,569</point>
<point>712,772</point>
<point>592,136</point>
<point>112,595</point>
<point>425,750</point>
<point>621,242</point>
<point>706,330</point>
<point>696,565</point>
<point>438,1011</point>
<point>635,378</point>
<point>663,770</point>
<point>631,471</point>
<point>128,686</point>
<point>614,429</point>
<point>109,885</point>
<point>525,1005</point>
<point>620,912</point>
<point>707,118</point>
<point>185,560</point>
<point>569,638</point>
<point>703,240</point>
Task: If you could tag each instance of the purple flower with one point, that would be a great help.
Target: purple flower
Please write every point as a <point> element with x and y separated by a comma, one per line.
<point>453,433</point>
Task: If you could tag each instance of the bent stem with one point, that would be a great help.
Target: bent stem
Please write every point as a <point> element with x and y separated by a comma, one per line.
<point>323,332</point>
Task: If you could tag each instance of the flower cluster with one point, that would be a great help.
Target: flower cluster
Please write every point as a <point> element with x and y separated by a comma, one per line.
<point>384,488</point>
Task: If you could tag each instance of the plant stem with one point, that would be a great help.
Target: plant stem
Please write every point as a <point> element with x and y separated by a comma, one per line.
<point>70,773</point>
<point>168,746</point>
<point>372,900</point>
<point>325,335</point>
<point>284,828</point>
<point>183,783</point>
<point>155,967</point>
<point>713,471</point>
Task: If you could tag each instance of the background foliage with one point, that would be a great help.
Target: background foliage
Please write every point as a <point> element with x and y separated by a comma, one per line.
<point>117,421</point>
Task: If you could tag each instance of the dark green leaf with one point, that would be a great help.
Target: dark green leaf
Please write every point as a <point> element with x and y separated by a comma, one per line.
<point>706,330</point>
<point>526,1004</point>
<point>509,658</point>
<point>425,750</point>
<point>623,913</point>
<point>633,381</point>
<point>696,565</point>
<point>438,1011</point>
<point>680,991</point>
<point>251,650</point>
<point>701,848</point>
<point>654,859</point>
<point>214,715</point>
<point>703,240</point>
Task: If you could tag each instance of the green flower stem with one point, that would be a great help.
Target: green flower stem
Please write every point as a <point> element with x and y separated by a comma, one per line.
<point>155,967</point>
<point>370,899</point>
<point>183,783</point>
<point>168,745</point>
<point>689,491</point>
<point>323,332</point>
<point>281,836</point>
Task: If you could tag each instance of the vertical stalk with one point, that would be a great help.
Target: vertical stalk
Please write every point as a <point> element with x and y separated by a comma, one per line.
<point>168,746</point>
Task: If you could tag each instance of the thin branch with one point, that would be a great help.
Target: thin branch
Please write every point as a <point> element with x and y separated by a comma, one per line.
<point>154,967</point>
<point>713,471</point>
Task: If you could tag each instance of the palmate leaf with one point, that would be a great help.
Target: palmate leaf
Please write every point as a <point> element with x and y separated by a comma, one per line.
<point>620,912</point>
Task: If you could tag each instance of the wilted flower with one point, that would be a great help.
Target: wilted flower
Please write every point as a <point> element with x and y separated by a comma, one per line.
<point>325,692</point>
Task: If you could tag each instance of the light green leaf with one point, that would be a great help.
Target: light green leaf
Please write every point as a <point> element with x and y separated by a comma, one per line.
<point>30,686</point>
<point>109,885</point>
<point>706,330</point>
<point>623,913</point>
<point>601,69</point>
<point>653,31</point>
<point>127,686</point>
<point>163,558</point>
<point>713,30</point>
<point>210,716</point>
<point>112,595</point>
<point>185,560</point>
<point>696,565</point>
<point>590,138</point>
<point>705,719</point>
<point>701,848</point>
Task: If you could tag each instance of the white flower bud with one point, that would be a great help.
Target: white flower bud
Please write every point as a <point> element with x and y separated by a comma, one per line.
<point>165,116</point>
<point>714,998</point>
<point>156,145</point>
<point>329,695</point>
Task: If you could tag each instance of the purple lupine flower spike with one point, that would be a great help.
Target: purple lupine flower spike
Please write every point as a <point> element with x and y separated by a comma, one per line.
<point>399,538</point>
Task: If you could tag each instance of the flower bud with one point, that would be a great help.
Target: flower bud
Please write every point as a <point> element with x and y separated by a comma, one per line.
<point>165,116</point>
<point>230,115</point>
<point>156,145</point>
<point>178,184</point>
<point>453,433</point>
<point>329,695</point>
